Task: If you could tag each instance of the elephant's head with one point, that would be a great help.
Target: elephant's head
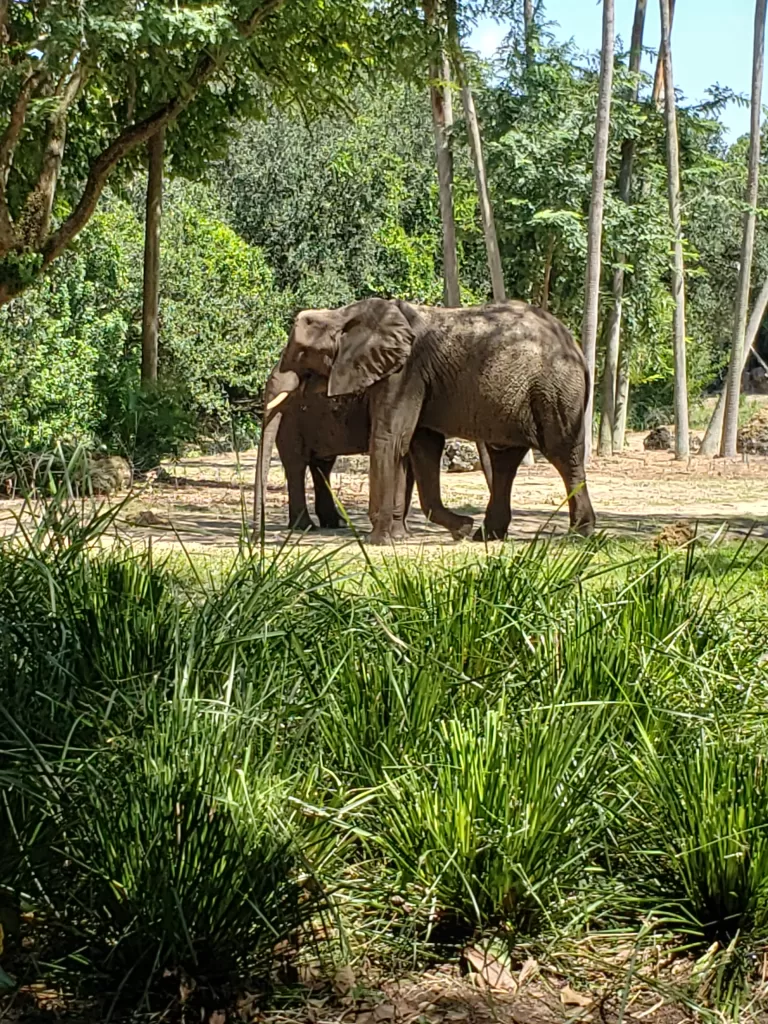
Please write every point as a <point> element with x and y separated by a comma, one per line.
<point>353,347</point>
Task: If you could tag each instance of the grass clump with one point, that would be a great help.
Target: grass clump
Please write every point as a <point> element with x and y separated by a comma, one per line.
<point>198,766</point>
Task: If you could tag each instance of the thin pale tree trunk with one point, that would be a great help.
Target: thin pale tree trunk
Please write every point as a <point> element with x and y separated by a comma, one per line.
<point>151,295</point>
<point>595,229</point>
<point>547,279</point>
<point>711,443</point>
<point>528,28</point>
<point>442,122</point>
<point>622,401</point>
<point>484,199</point>
<point>733,388</point>
<point>678,266</point>
<point>657,93</point>
<point>610,374</point>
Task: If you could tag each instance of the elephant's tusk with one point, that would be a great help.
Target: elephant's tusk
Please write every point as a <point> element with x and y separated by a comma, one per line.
<point>277,400</point>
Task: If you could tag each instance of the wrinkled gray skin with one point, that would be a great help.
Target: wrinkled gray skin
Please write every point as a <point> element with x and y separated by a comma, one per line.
<point>507,374</point>
<point>311,430</point>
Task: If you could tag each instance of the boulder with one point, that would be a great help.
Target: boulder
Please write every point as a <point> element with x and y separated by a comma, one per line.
<point>753,436</point>
<point>659,440</point>
<point>108,474</point>
<point>460,457</point>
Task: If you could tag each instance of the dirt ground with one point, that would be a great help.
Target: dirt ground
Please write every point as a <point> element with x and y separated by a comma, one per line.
<point>203,502</point>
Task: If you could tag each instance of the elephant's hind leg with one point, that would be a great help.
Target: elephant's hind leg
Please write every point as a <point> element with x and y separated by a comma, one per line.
<point>498,515</point>
<point>570,466</point>
<point>426,451</point>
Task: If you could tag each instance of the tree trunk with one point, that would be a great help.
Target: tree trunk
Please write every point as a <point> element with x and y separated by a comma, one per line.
<point>622,402</point>
<point>486,209</point>
<point>608,411</point>
<point>151,295</point>
<point>711,443</point>
<point>657,93</point>
<point>528,28</point>
<point>547,279</point>
<point>595,230</point>
<point>442,121</point>
<point>733,388</point>
<point>678,267</point>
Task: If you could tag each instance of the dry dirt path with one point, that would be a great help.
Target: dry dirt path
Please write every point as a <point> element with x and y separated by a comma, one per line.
<point>202,502</point>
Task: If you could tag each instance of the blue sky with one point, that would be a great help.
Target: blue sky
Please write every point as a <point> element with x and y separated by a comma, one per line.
<point>711,42</point>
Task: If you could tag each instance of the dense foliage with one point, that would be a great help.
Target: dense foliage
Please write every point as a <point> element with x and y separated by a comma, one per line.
<point>529,745</point>
<point>325,209</point>
<point>69,363</point>
<point>83,88</point>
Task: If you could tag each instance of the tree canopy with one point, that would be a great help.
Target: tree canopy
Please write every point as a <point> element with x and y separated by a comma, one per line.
<point>84,86</point>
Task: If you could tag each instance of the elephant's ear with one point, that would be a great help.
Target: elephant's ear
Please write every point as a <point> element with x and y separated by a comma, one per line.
<point>371,345</point>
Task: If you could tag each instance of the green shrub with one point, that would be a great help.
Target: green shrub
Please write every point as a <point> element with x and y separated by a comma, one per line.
<point>499,823</point>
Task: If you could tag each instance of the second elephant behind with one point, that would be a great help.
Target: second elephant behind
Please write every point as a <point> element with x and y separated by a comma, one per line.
<point>311,430</point>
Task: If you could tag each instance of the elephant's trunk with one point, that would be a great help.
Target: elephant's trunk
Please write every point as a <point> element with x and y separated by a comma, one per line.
<point>279,386</point>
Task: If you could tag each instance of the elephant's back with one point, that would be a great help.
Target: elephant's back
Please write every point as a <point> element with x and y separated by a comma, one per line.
<point>497,366</point>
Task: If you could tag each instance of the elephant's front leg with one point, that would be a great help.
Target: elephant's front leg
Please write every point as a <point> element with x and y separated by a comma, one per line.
<point>395,405</point>
<point>426,452</point>
<point>387,482</point>
<point>325,506</point>
<point>298,513</point>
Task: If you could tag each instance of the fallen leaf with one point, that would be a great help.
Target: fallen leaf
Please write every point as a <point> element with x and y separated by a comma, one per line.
<point>570,997</point>
<point>489,969</point>
<point>529,970</point>
<point>344,980</point>
<point>384,1011</point>
<point>218,1017</point>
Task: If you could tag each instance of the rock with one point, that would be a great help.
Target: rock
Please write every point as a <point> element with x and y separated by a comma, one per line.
<point>659,440</point>
<point>675,535</point>
<point>460,457</point>
<point>108,474</point>
<point>147,518</point>
<point>351,464</point>
<point>753,436</point>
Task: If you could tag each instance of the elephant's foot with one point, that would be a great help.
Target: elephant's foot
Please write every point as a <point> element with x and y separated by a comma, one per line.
<point>302,522</point>
<point>400,530</point>
<point>379,538</point>
<point>464,529</point>
<point>331,524</point>
<point>583,529</point>
<point>485,533</point>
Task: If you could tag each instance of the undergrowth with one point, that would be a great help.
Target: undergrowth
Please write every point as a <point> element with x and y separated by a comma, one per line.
<point>198,764</point>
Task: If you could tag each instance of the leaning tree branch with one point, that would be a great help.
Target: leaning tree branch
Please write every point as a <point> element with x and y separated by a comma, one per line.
<point>8,141</point>
<point>38,208</point>
<point>137,134</point>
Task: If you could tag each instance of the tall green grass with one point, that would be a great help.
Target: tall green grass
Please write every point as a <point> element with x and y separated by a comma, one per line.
<point>197,763</point>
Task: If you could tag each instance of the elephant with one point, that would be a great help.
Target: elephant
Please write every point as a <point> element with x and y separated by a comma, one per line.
<point>311,430</point>
<point>507,374</point>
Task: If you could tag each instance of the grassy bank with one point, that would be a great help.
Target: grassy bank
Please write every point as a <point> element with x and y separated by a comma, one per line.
<point>202,762</point>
